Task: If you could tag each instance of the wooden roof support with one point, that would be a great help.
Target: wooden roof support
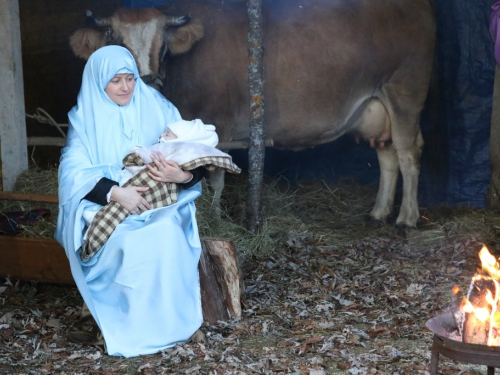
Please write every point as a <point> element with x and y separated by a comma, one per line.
<point>493,193</point>
<point>13,150</point>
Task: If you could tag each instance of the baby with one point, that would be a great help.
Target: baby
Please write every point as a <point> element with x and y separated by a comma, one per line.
<point>182,141</point>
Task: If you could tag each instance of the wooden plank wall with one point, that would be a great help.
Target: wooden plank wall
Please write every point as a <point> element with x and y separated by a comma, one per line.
<point>52,74</point>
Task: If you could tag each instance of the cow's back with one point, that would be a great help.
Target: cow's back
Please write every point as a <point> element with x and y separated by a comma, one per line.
<point>210,81</point>
<point>322,60</point>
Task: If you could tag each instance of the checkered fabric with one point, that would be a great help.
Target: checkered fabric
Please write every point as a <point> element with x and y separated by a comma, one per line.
<point>160,194</point>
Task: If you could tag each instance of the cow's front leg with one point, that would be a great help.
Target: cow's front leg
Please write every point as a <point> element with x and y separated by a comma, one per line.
<point>216,179</point>
<point>409,162</point>
<point>389,169</point>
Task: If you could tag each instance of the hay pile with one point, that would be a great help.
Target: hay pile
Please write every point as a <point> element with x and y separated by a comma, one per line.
<point>330,214</point>
<point>37,181</point>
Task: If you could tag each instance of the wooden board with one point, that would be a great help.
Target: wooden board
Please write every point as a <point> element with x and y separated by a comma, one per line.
<point>34,259</point>
<point>27,197</point>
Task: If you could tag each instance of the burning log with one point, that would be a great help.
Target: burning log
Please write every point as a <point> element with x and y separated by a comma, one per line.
<point>477,322</point>
<point>480,310</point>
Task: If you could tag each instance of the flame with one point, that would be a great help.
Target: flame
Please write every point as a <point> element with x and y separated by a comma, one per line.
<point>455,290</point>
<point>482,314</point>
<point>485,292</point>
<point>489,264</point>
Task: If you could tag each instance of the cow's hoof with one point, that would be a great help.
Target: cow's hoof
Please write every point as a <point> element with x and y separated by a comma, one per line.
<point>402,230</point>
<point>371,220</point>
<point>377,222</point>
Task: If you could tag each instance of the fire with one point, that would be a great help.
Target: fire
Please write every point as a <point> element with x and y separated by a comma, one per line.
<point>480,313</point>
<point>489,264</point>
<point>482,303</point>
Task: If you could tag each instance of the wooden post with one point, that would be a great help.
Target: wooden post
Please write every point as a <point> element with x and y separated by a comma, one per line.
<point>257,149</point>
<point>14,153</point>
<point>493,193</point>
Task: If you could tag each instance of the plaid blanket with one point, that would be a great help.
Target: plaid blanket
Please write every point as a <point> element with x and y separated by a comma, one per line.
<point>160,194</point>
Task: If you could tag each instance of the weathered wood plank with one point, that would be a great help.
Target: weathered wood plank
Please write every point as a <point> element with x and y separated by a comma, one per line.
<point>28,197</point>
<point>61,142</point>
<point>34,259</point>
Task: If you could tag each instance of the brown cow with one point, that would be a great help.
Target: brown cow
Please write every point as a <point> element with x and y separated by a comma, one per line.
<point>330,67</point>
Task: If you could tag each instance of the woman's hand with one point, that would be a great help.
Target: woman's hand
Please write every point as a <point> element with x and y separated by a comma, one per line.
<point>130,198</point>
<point>167,171</point>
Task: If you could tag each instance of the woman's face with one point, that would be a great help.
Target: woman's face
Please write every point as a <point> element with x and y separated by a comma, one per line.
<point>121,88</point>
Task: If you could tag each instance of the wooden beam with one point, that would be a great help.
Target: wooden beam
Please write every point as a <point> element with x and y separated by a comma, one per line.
<point>61,142</point>
<point>34,259</point>
<point>13,150</point>
<point>28,197</point>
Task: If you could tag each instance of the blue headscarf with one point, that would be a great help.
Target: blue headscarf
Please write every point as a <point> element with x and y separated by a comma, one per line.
<point>107,129</point>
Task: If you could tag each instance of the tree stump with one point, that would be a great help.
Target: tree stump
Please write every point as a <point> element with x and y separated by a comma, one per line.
<point>222,290</point>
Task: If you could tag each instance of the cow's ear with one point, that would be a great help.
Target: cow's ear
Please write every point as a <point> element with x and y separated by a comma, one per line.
<point>181,39</point>
<point>84,42</point>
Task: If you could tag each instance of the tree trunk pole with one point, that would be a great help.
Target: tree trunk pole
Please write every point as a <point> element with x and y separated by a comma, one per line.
<point>256,122</point>
<point>493,193</point>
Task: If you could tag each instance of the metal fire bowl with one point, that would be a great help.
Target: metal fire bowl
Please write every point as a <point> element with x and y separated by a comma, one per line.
<point>448,343</point>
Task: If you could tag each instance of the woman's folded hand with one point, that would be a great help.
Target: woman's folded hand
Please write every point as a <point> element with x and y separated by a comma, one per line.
<point>130,198</point>
<point>167,171</point>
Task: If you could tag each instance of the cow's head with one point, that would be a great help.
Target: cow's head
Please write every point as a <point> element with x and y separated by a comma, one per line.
<point>147,33</point>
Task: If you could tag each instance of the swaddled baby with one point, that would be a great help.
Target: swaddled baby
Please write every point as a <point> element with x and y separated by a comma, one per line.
<point>181,142</point>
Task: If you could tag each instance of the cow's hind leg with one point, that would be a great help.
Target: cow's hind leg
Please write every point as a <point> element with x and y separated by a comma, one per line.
<point>404,97</point>
<point>407,142</point>
<point>389,169</point>
<point>216,180</point>
<point>409,162</point>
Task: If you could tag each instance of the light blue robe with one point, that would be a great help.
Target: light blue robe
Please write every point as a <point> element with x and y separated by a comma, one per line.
<point>142,287</point>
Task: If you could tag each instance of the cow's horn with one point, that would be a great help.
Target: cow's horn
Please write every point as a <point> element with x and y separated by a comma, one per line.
<point>178,21</point>
<point>93,20</point>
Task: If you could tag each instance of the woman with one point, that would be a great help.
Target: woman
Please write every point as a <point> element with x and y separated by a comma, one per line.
<point>142,287</point>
